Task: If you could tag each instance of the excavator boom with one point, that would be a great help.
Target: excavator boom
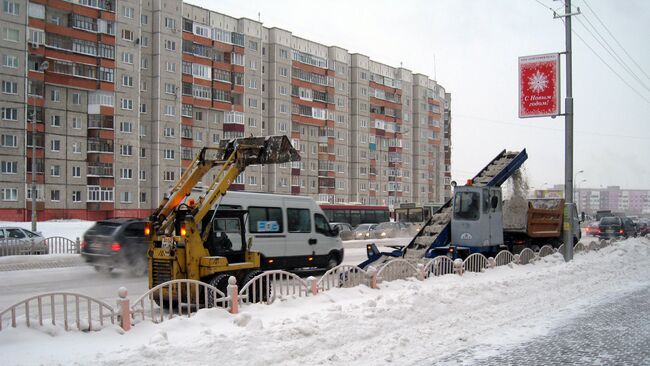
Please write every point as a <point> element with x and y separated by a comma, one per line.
<point>233,156</point>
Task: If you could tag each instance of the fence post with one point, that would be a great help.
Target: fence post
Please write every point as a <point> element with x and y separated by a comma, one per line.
<point>459,266</point>
<point>491,262</point>
<point>233,293</point>
<point>77,244</point>
<point>123,308</point>
<point>313,283</point>
<point>372,271</point>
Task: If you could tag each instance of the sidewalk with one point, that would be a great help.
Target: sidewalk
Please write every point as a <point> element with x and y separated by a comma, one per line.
<point>22,262</point>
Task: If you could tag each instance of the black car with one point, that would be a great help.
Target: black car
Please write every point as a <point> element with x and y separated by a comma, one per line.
<point>116,243</point>
<point>616,227</point>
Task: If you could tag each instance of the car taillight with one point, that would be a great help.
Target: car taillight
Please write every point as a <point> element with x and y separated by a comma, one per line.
<point>116,247</point>
<point>147,229</point>
<point>84,244</point>
<point>621,231</point>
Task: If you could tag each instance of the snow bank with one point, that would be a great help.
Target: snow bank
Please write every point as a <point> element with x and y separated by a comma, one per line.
<point>405,322</point>
<point>70,229</point>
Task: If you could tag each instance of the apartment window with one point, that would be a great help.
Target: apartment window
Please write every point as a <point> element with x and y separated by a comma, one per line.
<point>55,145</point>
<point>168,176</point>
<point>252,102</point>
<point>283,71</point>
<point>143,108</point>
<point>170,66</point>
<point>252,83</point>
<point>10,7</point>
<point>76,148</point>
<point>144,63</point>
<point>283,90</point>
<point>76,98</point>
<point>9,194</point>
<point>252,64</point>
<point>170,110</point>
<point>143,175</point>
<point>284,54</point>
<point>144,41</point>
<point>8,140</point>
<point>55,95</point>
<point>55,170</point>
<point>127,57</point>
<point>143,197</point>
<point>76,171</point>
<point>126,104</point>
<point>143,152</point>
<point>252,45</point>
<point>11,35</point>
<point>170,45</point>
<point>198,116</point>
<point>127,35</point>
<point>170,88</point>
<point>170,23</point>
<point>127,12</point>
<point>126,173</point>
<point>55,121</point>
<point>76,196</point>
<point>127,80</point>
<point>126,127</point>
<point>252,180</point>
<point>9,114</point>
<point>282,126</point>
<point>168,132</point>
<point>9,167</point>
<point>169,154</point>
<point>252,122</point>
<point>126,150</point>
<point>126,197</point>
<point>144,19</point>
<point>10,61</point>
<point>9,87</point>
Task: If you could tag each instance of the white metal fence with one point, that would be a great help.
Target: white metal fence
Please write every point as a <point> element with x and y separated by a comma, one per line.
<point>35,246</point>
<point>183,297</point>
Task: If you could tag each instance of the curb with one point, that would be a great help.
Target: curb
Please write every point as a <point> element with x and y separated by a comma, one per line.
<point>43,264</point>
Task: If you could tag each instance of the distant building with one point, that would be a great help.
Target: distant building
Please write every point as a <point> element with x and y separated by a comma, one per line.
<point>614,198</point>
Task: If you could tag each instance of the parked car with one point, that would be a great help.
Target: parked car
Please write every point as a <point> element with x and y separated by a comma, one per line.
<point>18,241</point>
<point>364,231</point>
<point>391,230</point>
<point>593,228</point>
<point>643,227</point>
<point>616,227</point>
<point>344,229</point>
<point>116,243</point>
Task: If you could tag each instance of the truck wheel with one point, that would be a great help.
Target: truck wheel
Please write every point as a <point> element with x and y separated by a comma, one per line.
<point>220,281</point>
<point>261,290</point>
<point>332,261</point>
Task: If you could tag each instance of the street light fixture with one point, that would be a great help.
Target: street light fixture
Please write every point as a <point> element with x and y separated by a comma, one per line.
<point>41,67</point>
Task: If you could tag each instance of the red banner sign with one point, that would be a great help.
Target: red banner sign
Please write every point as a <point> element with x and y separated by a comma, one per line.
<point>539,85</point>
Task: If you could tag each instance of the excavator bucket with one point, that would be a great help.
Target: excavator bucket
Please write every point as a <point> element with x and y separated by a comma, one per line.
<point>261,150</point>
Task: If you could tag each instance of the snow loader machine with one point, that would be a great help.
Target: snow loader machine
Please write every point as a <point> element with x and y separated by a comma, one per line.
<point>189,238</point>
<point>470,234</point>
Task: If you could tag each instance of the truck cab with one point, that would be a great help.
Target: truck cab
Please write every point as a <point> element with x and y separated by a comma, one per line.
<point>477,219</point>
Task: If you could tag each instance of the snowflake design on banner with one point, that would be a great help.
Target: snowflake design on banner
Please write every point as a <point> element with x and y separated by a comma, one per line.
<point>538,82</point>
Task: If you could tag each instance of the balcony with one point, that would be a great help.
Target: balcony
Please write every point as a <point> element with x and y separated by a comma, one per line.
<point>100,170</point>
<point>100,146</point>
<point>326,182</point>
<point>98,121</point>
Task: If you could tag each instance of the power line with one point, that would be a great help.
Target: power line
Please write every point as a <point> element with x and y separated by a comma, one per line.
<point>615,39</point>
<point>610,50</point>
<point>599,57</point>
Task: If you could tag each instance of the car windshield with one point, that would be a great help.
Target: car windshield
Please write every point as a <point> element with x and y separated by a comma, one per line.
<point>385,225</point>
<point>609,221</point>
<point>363,227</point>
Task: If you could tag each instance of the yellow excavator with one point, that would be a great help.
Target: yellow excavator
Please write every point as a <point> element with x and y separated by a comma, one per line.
<point>189,238</point>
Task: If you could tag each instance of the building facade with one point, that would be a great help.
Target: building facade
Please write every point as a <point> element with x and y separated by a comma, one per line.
<point>134,89</point>
<point>614,198</point>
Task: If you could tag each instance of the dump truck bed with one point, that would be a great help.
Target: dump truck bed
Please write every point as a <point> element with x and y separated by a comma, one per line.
<point>542,218</point>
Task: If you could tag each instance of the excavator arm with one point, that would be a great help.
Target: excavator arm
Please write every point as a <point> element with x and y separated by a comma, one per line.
<point>232,156</point>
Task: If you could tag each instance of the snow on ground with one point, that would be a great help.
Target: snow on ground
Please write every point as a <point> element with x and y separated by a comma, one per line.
<point>70,229</point>
<point>406,322</point>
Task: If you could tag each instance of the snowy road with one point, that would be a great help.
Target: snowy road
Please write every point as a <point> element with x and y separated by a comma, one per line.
<point>18,285</point>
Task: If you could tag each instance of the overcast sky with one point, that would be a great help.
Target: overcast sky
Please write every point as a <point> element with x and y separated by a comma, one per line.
<point>476,46</point>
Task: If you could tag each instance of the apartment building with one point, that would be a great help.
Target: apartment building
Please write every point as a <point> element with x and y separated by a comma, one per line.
<point>112,100</point>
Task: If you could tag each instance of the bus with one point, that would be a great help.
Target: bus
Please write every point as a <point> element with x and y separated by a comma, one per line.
<point>413,214</point>
<point>356,214</point>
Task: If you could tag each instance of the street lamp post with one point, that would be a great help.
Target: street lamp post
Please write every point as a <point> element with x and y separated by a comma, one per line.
<point>574,184</point>
<point>41,67</point>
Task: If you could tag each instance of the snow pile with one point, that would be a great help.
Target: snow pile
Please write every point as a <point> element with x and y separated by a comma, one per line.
<point>405,322</point>
<point>515,209</point>
<point>71,229</point>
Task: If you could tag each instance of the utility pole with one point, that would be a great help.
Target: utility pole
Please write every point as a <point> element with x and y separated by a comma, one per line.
<point>568,142</point>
